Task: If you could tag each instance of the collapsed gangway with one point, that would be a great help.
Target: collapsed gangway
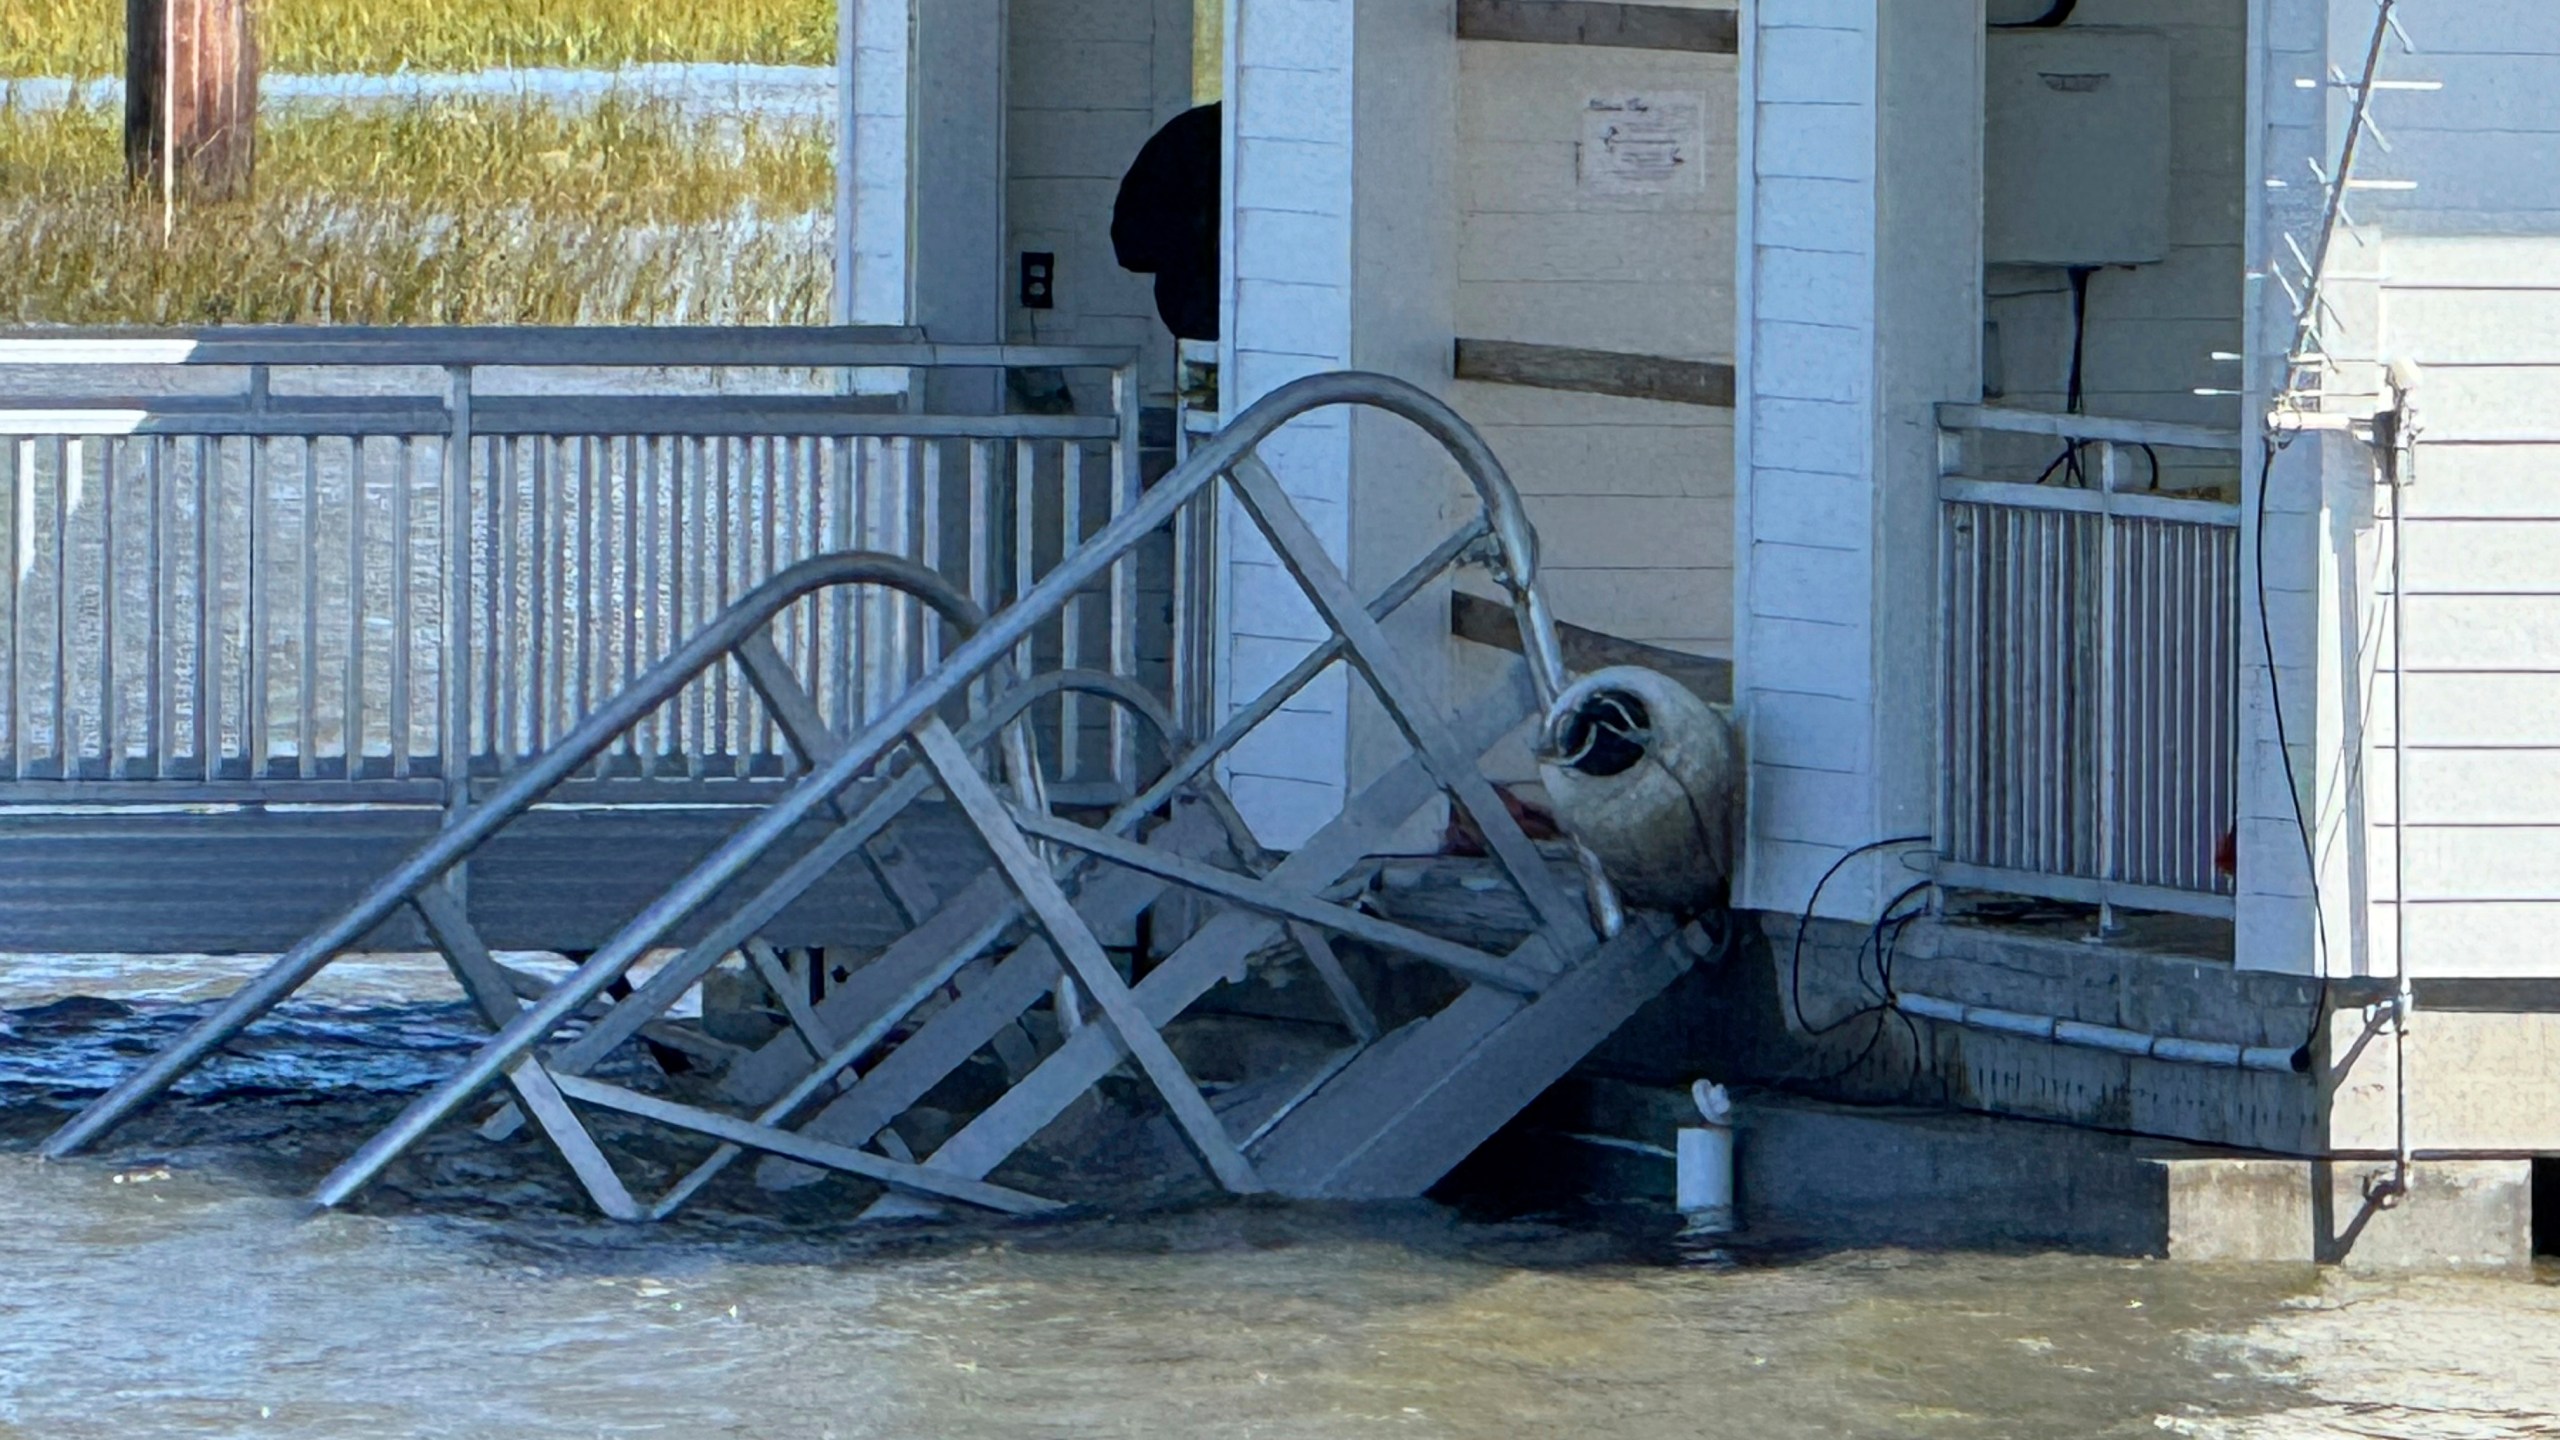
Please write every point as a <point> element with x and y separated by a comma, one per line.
<point>1012,904</point>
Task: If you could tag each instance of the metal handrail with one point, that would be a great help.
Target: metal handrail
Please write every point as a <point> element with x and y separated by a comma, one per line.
<point>2109,436</point>
<point>2068,426</point>
<point>634,1014</point>
<point>735,627</point>
<point>398,417</point>
<point>669,981</point>
<point>914,713</point>
<point>1504,517</point>
<point>489,445</point>
<point>2061,609</point>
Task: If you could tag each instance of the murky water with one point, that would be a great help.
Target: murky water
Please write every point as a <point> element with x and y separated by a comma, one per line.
<point>174,1286</point>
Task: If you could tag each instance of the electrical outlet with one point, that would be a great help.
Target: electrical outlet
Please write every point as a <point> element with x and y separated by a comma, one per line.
<point>1039,280</point>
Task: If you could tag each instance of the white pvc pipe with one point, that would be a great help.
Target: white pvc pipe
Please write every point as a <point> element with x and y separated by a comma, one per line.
<point>1706,1177</point>
<point>1705,1163</point>
<point>2053,1029</point>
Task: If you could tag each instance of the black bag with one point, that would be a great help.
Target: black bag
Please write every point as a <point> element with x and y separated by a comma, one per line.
<point>1165,221</point>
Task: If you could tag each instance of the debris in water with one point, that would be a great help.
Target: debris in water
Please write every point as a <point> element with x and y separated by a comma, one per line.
<point>72,1012</point>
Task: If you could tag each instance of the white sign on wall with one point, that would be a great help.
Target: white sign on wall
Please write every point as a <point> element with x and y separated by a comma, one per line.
<point>1644,144</point>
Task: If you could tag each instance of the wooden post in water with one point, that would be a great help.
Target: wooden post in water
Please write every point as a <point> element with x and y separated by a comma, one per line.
<point>191,90</point>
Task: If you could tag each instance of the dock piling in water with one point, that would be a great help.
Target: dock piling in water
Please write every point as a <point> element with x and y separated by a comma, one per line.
<point>191,92</point>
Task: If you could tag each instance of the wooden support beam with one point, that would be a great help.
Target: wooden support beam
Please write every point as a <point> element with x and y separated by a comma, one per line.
<point>1596,372</point>
<point>1579,22</point>
<point>1490,622</point>
<point>191,90</point>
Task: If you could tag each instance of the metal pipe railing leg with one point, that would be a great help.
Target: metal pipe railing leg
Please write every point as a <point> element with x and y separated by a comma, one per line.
<point>463,835</point>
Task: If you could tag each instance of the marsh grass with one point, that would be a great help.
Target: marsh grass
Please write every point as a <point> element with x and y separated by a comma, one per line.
<point>85,38</point>
<point>436,213</point>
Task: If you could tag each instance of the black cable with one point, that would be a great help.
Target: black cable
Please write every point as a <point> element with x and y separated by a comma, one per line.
<point>1884,967</point>
<point>1879,1011</point>
<point>2284,747</point>
<point>2053,16</point>
<point>2148,454</point>
<point>2075,398</point>
<point>1804,921</point>
<point>2074,394</point>
<point>1884,1022</point>
<point>1918,1048</point>
<point>1884,959</point>
<point>1886,1012</point>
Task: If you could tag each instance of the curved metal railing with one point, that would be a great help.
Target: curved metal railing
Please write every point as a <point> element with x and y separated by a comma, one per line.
<point>835,1055</point>
<point>1500,533</point>
<point>738,631</point>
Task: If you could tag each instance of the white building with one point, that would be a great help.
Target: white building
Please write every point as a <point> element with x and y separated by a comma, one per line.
<point>1883,214</point>
<point>1896,681</point>
<point>2024,407</point>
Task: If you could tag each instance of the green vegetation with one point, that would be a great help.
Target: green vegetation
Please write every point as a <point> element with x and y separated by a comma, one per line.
<point>323,37</point>
<point>465,212</point>
<point>1208,50</point>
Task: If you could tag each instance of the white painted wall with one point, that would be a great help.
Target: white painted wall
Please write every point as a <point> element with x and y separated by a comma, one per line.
<point>874,187</point>
<point>1633,499</point>
<point>1930,65</point>
<point>1405,494</point>
<point>957,266</point>
<point>2284,790</point>
<point>2469,286</point>
<point>1860,262</point>
<point>1804,641</point>
<point>1289,178</point>
<point>2458,273</point>
<point>1087,82</point>
<point>2152,329</point>
<point>2462,274</point>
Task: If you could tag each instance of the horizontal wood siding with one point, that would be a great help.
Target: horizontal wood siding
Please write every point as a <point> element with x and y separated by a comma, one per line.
<point>1288,314</point>
<point>2475,832</point>
<point>1805,682</point>
<point>1086,84</point>
<point>1633,497</point>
